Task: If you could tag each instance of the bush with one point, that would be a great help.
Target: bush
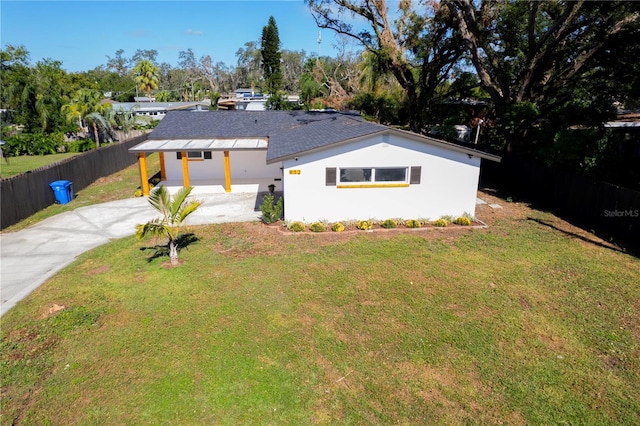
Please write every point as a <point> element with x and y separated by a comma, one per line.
<point>271,212</point>
<point>32,144</point>
<point>364,225</point>
<point>463,221</point>
<point>317,227</point>
<point>412,223</point>
<point>389,224</point>
<point>296,227</point>
<point>440,223</point>
<point>82,145</point>
<point>337,227</point>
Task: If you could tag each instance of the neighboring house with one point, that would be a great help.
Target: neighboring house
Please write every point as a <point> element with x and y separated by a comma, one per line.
<point>243,99</point>
<point>248,100</point>
<point>329,166</point>
<point>157,110</point>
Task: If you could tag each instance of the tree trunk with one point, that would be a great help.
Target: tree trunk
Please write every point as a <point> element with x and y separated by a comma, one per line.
<point>173,252</point>
<point>96,135</point>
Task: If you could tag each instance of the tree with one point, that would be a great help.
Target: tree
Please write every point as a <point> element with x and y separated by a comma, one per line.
<point>271,56</point>
<point>248,66</point>
<point>100,123</point>
<point>174,211</point>
<point>418,48</point>
<point>146,76</point>
<point>531,56</point>
<point>119,63</point>
<point>42,97</point>
<point>145,55</point>
<point>85,106</point>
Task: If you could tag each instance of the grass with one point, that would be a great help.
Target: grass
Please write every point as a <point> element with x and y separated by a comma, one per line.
<point>519,323</point>
<point>117,186</point>
<point>24,163</point>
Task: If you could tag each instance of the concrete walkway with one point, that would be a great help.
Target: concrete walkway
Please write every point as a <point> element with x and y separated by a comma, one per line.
<point>30,256</point>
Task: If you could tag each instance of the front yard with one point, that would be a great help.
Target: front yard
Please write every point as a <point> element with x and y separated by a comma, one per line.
<point>530,321</point>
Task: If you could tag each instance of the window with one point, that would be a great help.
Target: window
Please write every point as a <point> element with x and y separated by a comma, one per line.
<point>397,174</point>
<point>355,175</point>
<point>195,155</point>
<point>370,174</point>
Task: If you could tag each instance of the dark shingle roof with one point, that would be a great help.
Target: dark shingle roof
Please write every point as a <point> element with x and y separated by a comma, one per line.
<point>289,132</point>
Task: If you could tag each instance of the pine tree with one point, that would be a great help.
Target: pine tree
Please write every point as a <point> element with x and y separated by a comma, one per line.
<point>270,51</point>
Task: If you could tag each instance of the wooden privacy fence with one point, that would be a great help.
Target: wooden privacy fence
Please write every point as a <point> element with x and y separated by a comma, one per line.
<point>599,205</point>
<point>26,194</point>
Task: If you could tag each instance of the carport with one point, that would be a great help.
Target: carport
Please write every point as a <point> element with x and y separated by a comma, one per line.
<point>210,165</point>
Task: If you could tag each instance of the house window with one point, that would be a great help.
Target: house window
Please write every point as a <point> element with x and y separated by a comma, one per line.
<point>195,155</point>
<point>371,174</point>
<point>395,174</point>
<point>355,175</point>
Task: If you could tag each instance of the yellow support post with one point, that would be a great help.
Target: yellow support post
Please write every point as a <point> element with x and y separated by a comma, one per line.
<point>144,179</point>
<point>227,172</point>
<point>163,173</point>
<point>185,170</point>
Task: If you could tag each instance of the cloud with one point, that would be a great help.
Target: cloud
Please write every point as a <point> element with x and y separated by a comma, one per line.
<point>193,32</point>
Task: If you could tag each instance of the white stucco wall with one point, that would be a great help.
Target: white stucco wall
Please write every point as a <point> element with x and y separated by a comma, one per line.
<point>448,186</point>
<point>244,165</point>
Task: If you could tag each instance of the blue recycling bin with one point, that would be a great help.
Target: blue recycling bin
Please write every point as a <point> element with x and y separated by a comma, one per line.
<point>62,190</point>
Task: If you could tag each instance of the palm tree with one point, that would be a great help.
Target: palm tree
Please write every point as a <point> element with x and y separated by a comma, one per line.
<point>146,76</point>
<point>99,122</point>
<point>174,211</point>
<point>85,106</point>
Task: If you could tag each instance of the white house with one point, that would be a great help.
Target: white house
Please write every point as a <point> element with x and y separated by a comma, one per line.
<point>328,166</point>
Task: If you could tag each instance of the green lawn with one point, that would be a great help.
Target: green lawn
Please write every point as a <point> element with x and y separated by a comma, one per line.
<point>15,165</point>
<point>530,321</point>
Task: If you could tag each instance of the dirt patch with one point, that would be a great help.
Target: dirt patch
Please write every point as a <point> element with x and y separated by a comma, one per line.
<point>169,265</point>
<point>53,309</point>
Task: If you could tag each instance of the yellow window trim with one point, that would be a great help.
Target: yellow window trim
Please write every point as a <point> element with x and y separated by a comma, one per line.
<point>375,185</point>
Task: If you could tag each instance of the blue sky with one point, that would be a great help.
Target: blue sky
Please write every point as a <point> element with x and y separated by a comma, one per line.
<point>81,34</point>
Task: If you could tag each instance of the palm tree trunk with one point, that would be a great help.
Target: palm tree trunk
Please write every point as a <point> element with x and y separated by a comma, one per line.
<point>173,252</point>
<point>96,135</point>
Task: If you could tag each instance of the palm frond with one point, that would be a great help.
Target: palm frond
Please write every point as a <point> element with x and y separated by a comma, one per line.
<point>179,199</point>
<point>187,210</point>
<point>154,227</point>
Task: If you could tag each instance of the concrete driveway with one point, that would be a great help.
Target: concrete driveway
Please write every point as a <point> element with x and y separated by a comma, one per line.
<point>31,256</point>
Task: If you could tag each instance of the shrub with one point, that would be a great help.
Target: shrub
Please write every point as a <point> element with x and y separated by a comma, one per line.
<point>271,212</point>
<point>82,145</point>
<point>337,227</point>
<point>317,227</point>
<point>32,144</point>
<point>440,223</point>
<point>389,223</point>
<point>364,225</point>
<point>412,223</point>
<point>296,227</point>
<point>463,221</point>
